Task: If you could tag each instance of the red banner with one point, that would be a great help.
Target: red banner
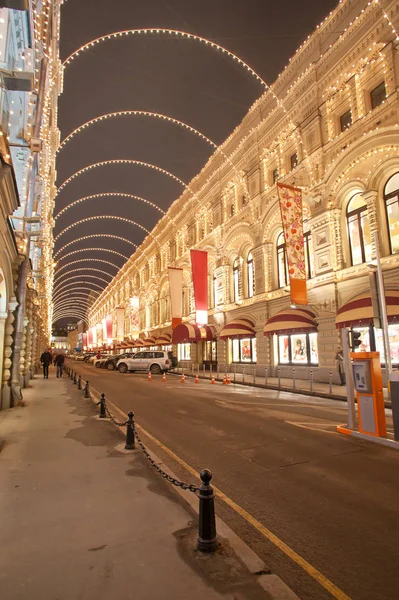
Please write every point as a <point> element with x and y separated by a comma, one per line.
<point>108,327</point>
<point>199,267</point>
<point>176,295</point>
<point>89,337</point>
<point>84,337</point>
<point>292,219</point>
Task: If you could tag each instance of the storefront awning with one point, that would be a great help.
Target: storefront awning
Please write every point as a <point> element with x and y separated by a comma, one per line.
<point>238,329</point>
<point>150,341</point>
<point>137,343</point>
<point>291,320</point>
<point>186,332</point>
<point>163,340</point>
<point>359,311</point>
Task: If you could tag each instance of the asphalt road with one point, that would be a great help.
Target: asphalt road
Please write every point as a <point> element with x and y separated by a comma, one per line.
<point>330,498</point>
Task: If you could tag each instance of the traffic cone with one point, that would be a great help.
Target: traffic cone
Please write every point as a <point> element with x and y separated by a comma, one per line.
<point>164,376</point>
<point>213,379</point>
<point>149,376</point>
<point>224,380</point>
<point>182,380</point>
<point>196,378</point>
<point>228,379</point>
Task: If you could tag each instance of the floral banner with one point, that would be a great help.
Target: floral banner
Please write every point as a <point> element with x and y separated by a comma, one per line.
<point>292,219</point>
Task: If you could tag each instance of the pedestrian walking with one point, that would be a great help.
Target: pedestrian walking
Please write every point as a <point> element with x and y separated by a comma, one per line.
<point>59,363</point>
<point>339,357</point>
<point>46,360</point>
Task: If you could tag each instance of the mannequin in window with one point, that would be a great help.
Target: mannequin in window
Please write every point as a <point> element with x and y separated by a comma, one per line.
<point>299,350</point>
<point>339,357</point>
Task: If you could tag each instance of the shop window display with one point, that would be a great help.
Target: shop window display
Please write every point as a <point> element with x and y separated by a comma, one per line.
<point>184,351</point>
<point>298,349</point>
<point>372,341</point>
<point>391,196</point>
<point>244,351</point>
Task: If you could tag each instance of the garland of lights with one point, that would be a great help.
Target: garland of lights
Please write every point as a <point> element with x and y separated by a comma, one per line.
<point>94,250</point>
<point>75,292</point>
<point>77,303</point>
<point>85,269</point>
<point>108,195</point>
<point>74,284</point>
<point>101,217</point>
<point>95,235</point>
<point>77,277</point>
<point>80,260</point>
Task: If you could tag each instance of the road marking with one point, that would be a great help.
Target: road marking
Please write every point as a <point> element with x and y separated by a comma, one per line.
<point>308,426</point>
<point>294,556</point>
<point>328,585</point>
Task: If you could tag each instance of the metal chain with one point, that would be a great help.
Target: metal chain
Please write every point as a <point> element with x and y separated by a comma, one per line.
<point>185,486</point>
<point>115,422</point>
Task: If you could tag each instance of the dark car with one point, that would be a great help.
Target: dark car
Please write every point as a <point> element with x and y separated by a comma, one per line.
<point>110,363</point>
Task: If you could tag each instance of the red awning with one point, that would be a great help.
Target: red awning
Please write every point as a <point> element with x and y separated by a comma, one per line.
<point>359,311</point>
<point>187,332</point>
<point>291,320</point>
<point>238,329</point>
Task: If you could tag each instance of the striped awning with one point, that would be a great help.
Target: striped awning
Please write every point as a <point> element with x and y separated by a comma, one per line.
<point>150,341</point>
<point>139,343</point>
<point>238,329</point>
<point>163,340</point>
<point>187,332</point>
<point>122,345</point>
<point>291,320</point>
<point>359,312</point>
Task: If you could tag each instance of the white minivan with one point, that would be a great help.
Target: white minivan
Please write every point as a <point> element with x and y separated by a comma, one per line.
<point>154,361</point>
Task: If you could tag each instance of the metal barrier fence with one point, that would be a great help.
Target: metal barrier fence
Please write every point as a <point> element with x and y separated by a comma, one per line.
<point>207,538</point>
<point>285,378</point>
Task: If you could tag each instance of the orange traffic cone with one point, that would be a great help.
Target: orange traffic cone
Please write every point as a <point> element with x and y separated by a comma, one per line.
<point>164,376</point>
<point>213,379</point>
<point>149,376</point>
<point>228,379</point>
<point>196,378</point>
<point>224,380</point>
<point>182,380</point>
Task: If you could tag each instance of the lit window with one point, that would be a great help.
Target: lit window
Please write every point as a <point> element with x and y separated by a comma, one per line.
<point>250,269</point>
<point>275,175</point>
<point>345,120</point>
<point>359,233</point>
<point>282,267</point>
<point>244,351</point>
<point>308,250</point>
<point>236,279</point>
<point>298,349</point>
<point>184,351</point>
<point>391,197</point>
<point>378,95</point>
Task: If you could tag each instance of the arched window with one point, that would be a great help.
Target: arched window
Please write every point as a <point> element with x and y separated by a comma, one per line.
<point>358,230</point>
<point>282,271</point>
<point>391,197</point>
<point>250,273</point>
<point>236,279</point>
<point>308,249</point>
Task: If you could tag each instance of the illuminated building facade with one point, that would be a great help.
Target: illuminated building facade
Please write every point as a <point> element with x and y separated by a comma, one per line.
<point>334,133</point>
<point>30,72</point>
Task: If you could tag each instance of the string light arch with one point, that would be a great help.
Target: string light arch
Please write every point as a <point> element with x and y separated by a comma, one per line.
<point>80,260</point>
<point>73,252</point>
<point>92,270</point>
<point>78,276</point>
<point>77,283</point>
<point>124,219</point>
<point>94,235</point>
<point>76,291</point>
<point>108,195</point>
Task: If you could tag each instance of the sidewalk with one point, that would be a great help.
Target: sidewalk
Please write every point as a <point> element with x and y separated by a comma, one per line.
<point>82,518</point>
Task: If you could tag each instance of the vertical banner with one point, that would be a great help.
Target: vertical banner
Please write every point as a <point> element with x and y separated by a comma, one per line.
<point>292,219</point>
<point>199,268</point>
<point>94,334</point>
<point>84,343</point>
<point>104,323</point>
<point>108,327</point>
<point>134,317</point>
<point>120,323</point>
<point>176,292</point>
<point>89,338</point>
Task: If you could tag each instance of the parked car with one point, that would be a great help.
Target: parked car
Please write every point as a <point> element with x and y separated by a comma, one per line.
<point>111,361</point>
<point>154,361</point>
<point>88,355</point>
<point>99,362</point>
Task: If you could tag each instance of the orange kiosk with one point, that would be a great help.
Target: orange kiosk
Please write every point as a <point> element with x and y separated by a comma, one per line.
<point>367,377</point>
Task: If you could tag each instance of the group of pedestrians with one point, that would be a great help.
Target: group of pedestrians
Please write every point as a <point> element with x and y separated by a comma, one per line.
<point>47,358</point>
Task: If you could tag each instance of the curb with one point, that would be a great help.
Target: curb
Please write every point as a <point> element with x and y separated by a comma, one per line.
<point>269,582</point>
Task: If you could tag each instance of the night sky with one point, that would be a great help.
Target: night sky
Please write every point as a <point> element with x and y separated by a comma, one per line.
<point>179,78</point>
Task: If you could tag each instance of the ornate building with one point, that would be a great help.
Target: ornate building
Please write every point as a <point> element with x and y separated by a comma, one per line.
<point>30,72</point>
<point>329,125</point>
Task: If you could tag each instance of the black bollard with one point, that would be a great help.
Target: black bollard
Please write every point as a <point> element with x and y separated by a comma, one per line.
<point>207,540</point>
<point>74,379</point>
<point>71,375</point>
<point>87,395</point>
<point>102,407</point>
<point>79,382</point>
<point>130,432</point>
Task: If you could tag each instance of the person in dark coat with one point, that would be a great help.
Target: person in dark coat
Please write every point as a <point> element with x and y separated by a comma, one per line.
<point>46,360</point>
<point>59,363</point>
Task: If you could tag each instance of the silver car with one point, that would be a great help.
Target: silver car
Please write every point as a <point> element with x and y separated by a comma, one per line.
<point>156,361</point>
